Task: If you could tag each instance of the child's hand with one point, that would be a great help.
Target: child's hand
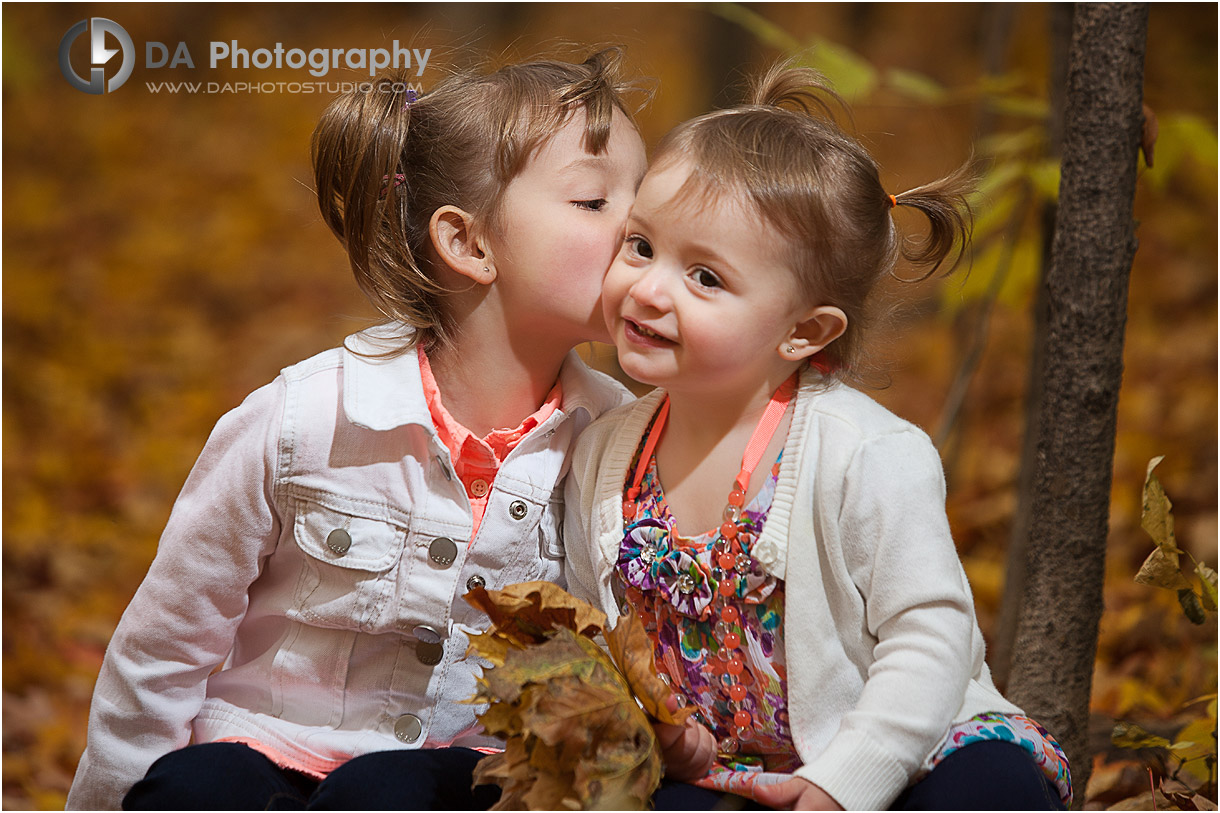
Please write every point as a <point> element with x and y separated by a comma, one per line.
<point>795,794</point>
<point>689,750</point>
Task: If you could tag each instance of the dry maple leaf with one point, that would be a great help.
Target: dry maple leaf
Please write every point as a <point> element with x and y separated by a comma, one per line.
<point>576,722</point>
<point>526,613</point>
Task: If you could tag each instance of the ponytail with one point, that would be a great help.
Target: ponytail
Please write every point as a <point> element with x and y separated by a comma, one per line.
<point>358,159</point>
<point>944,202</point>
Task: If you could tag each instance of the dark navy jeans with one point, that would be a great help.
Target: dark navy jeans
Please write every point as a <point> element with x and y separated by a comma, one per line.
<point>990,775</point>
<point>232,776</point>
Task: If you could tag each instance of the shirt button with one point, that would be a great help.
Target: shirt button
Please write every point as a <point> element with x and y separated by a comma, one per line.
<point>475,581</point>
<point>518,509</point>
<point>442,551</point>
<point>339,541</point>
<point>478,488</point>
<point>407,728</point>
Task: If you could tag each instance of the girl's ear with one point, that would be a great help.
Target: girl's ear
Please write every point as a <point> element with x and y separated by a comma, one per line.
<point>453,235</point>
<point>818,328</point>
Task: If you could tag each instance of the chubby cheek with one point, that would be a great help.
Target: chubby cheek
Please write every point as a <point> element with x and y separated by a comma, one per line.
<point>614,291</point>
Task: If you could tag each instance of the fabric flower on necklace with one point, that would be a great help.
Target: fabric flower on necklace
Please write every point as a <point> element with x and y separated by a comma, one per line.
<point>648,562</point>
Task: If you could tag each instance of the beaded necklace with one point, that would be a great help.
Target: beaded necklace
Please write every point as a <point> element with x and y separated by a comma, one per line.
<point>732,561</point>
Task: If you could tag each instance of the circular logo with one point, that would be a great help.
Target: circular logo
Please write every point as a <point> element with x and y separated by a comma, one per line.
<point>99,55</point>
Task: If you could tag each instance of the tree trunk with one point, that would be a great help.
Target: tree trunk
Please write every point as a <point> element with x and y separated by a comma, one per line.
<point>1004,635</point>
<point>1086,291</point>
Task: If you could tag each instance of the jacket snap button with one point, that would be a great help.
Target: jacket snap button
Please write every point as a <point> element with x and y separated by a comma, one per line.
<point>427,634</point>
<point>339,541</point>
<point>442,551</point>
<point>518,509</point>
<point>475,581</point>
<point>407,728</point>
<point>429,654</point>
<point>444,469</point>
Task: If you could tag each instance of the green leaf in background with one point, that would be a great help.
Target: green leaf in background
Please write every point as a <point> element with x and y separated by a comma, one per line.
<point>1000,84</point>
<point>992,213</point>
<point>916,86</point>
<point>998,176</point>
<point>1200,735</point>
<point>1183,140</point>
<point>1045,176</point>
<point>1130,735</point>
<point>1030,107</point>
<point>852,76</point>
<point>1020,263</point>
<point>1013,144</point>
<point>766,31</point>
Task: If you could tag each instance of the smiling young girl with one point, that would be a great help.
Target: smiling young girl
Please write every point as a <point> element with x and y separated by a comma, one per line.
<point>783,536</point>
<point>302,622</point>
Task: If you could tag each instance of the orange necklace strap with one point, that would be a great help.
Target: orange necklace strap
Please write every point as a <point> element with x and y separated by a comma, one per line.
<point>650,445</point>
<point>761,438</point>
<point>755,449</point>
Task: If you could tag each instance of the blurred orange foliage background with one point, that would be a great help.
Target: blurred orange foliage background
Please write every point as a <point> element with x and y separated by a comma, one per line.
<point>163,257</point>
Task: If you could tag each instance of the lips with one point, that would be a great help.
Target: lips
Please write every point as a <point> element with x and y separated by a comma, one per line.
<point>640,334</point>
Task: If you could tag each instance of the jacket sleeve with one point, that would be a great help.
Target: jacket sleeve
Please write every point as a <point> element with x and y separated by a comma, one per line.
<point>182,621</point>
<point>897,545</point>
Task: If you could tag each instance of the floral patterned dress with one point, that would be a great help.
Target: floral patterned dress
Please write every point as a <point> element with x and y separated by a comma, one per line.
<point>669,580</point>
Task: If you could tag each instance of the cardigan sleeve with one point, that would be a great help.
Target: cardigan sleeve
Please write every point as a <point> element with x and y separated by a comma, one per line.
<point>897,546</point>
<point>181,623</point>
<point>587,574</point>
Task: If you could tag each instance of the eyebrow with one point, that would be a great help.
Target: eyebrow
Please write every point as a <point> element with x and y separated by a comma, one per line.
<point>588,162</point>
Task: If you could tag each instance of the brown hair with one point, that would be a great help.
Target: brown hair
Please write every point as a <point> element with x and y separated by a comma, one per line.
<point>821,188</point>
<point>385,160</point>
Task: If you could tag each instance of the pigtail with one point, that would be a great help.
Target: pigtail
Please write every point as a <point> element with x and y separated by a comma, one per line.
<point>946,206</point>
<point>364,183</point>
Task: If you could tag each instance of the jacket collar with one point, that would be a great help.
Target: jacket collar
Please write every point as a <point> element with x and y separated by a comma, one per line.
<point>382,392</point>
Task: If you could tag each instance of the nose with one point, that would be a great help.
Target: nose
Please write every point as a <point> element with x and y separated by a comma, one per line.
<point>650,289</point>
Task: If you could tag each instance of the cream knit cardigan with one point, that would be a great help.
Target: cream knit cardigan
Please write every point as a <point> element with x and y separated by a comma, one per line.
<point>883,650</point>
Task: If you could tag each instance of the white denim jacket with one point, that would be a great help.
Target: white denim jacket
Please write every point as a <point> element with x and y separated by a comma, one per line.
<point>317,555</point>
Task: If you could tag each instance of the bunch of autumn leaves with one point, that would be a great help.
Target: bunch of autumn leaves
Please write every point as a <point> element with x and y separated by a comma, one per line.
<point>576,721</point>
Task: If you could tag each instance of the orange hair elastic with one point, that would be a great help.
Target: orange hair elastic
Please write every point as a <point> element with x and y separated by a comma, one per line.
<point>893,201</point>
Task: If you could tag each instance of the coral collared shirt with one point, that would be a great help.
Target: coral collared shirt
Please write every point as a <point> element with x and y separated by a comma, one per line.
<point>476,460</point>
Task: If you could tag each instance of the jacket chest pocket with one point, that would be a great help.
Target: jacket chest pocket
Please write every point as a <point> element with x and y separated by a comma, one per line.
<point>349,566</point>
<point>547,557</point>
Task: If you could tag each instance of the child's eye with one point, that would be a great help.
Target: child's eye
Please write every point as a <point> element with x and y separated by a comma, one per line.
<point>705,278</point>
<point>595,205</point>
<point>639,247</point>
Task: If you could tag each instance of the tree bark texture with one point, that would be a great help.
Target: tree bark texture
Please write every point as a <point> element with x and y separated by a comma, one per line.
<point>1004,634</point>
<point>1086,289</point>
